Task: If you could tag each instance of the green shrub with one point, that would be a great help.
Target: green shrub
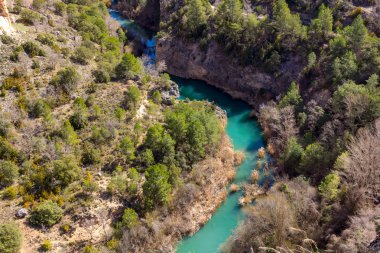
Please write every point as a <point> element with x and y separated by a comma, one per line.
<point>10,192</point>
<point>66,80</point>
<point>46,245</point>
<point>46,39</point>
<point>10,238</point>
<point>32,49</point>
<point>90,156</point>
<point>101,76</point>
<point>46,214</point>
<point>40,109</point>
<point>7,151</point>
<point>65,171</point>
<point>38,4</point>
<point>8,173</point>
<point>129,66</point>
<point>83,55</point>
<point>329,186</point>
<point>6,39</point>
<point>132,98</point>
<point>156,188</point>
<point>29,16</point>
<point>59,8</point>
<point>130,218</point>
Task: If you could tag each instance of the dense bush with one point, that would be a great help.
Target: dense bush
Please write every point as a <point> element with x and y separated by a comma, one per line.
<point>10,238</point>
<point>8,173</point>
<point>29,16</point>
<point>66,80</point>
<point>129,66</point>
<point>130,218</point>
<point>32,49</point>
<point>157,189</point>
<point>83,55</point>
<point>46,214</point>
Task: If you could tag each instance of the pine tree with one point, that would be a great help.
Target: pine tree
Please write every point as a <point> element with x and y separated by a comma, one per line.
<point>287,24</point>
<point>357,33</point>
<point>326,19</point>
<point>196,17</point>
<point>156,188</point>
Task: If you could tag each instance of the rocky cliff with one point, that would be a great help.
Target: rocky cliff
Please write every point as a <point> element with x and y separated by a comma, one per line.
<point>187,60</point>
<point>5,21</point>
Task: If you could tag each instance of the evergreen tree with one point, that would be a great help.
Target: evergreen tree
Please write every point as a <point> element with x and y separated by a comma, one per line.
<point>287,24</point>
<point>196,17</point>
<point>326,19</point>
<point>356,33</point>
<point>156,188</point>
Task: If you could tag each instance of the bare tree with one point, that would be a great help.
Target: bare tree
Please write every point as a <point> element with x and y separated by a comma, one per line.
<point>363,168</point>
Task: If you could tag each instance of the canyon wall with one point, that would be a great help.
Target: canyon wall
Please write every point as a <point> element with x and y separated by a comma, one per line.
<point>5,21</point>
<point>213,66</point>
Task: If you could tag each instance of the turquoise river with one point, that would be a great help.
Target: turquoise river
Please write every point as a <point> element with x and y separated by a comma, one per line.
<point>244,133</point>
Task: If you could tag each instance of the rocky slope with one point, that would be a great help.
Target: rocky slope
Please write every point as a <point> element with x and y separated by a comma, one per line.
<point>5,21</point>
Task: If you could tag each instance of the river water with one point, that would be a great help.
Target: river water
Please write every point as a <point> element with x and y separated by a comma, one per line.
<point>244,133</point>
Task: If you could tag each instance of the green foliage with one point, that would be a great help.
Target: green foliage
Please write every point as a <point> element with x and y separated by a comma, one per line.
<point>46,214</point>
<point>88,21</point>
<point>88,184</point>
<point>132,98</point>
<point>101,76</point>
<point>156,96</point>
<point>129,66</point>
<point>292,155</point>
<point>130,218</point>
<point>46,245</point>
<point>59,8</point>
<point>292,97</point>
<point>357,103</point>
<point>10,192</point>
<point>288,25</point>
<point>157,188</point>
<point>196,17</point>
<point>127,149</point>
<point>147,158</point>
<point>120,114</point>
<point>324,23</point>
<point>79,119</point>
<point>345,67</point>
<point>356,33</point>
<point>29,17</point>
<point>40,109</point>
<point>118,183</point>
<point>8,173</point>
<point>66,80</point>
<point>38,4</point>
<point>10,238</point>
<point>7,151</point>
<point>83,55</point>
<point>328,188</point>
<point>90,156</point>
<point>312,59</point>
<point>68,133</point>
<point>6,39</point>
<point>65,171</point>
<point>313,160</point>
<point>32,49</point>
<point>102,134</point>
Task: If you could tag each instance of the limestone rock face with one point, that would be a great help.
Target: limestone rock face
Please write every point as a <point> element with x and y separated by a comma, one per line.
<point>187,60</point>
<point>5,21</point>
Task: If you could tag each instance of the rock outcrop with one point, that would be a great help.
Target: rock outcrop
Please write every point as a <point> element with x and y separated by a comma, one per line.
<point>5,21</point>
<point>187,60</point>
